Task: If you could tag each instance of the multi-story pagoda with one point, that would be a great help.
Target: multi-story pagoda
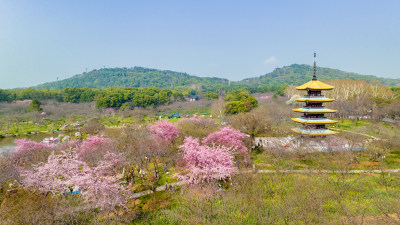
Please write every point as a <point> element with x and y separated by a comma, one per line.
<point>313,120</point>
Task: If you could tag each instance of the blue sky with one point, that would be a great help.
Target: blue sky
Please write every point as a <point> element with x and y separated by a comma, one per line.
<point>43,40</point>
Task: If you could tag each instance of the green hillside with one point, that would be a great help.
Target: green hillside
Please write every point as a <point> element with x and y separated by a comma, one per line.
<point>132,77</point>
<point>144,77</point>
<point>296,74</point>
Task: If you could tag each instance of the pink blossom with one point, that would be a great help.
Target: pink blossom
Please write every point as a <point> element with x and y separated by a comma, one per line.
<point>205,163</point>
<point>26,150</point>
<point>111,164</point>
<point>164,130</point>
<point>54,175</point>
<point>227,137</point>
<point>100,185</point>
<point>93,149</point>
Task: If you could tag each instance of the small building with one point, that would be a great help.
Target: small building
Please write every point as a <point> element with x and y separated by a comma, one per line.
<point>313,120</point>
<point>192,98</point>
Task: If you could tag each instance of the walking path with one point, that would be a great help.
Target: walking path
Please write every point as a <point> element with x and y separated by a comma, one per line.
<point>180,183</point>
<point>353,132</point>
<point>160,188</point>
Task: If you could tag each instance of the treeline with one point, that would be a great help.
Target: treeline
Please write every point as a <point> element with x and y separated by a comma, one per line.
<point>109,97</point>
<point>222,90</point>
<point>141,97</point>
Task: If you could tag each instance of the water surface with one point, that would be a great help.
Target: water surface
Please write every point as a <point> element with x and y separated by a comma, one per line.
<point>8,144</point>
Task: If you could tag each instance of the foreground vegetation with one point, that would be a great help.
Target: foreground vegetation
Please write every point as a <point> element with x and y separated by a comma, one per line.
<point>287,199</point>
<point>279,198</point>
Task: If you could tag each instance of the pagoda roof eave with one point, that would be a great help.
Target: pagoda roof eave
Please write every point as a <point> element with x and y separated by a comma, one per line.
<point>311,121</point>
<point>315,110</point>
<point>314,100</point>
<point>315,85</point>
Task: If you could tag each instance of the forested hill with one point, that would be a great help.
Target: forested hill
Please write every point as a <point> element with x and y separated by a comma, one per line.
<point>132,77</point>
<point>296,74</point>
<point>144,77</point>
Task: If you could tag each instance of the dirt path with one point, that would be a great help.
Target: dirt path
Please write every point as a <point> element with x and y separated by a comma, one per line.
<point>353,132</point>
<point>160,188</point>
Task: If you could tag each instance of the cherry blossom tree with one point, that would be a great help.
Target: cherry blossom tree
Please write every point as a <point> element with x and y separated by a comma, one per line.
<point>28,152</point>
<point>204,163</point>
<point>227,137</point>
<point>100,185</point>
<point>54,175</point>
<point>93,149</point>
<point>164,130</point>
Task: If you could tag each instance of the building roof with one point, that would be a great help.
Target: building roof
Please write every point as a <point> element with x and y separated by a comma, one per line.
<point>313,132</point>
<point>314,99</point>
<point>315,110</point>
<point>315,85</point>
<point>314,120</point>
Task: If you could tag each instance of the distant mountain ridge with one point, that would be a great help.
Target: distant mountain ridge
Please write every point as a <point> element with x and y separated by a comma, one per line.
<point>131,77</point>
<point>297,74</point>
<point>294,74</point>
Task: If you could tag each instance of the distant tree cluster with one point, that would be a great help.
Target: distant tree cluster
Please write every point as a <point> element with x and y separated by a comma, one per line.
<point>211,95</point>
<point>35,105</point>
<point>137,97</point>
<point>239,101</point>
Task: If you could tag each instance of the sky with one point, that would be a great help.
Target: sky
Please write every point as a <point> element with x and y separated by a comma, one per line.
<point>43,40</point>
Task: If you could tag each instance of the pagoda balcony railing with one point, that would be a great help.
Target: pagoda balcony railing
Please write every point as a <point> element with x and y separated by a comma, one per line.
<point>315,128</point>
<point>314,96</point>
<point>313,107</point>
<point>313,118</point>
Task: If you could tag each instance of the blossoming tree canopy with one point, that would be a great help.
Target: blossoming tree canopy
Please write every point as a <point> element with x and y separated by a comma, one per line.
<point>93,149</point>
<point>164,130</point>
<point>101,184</point>
<point>54,175</point>
<point>30,151</point>
<point>204,163</point>
<point>227,137</point>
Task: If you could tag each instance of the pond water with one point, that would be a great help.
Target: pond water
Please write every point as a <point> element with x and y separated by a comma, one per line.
<point>7,144</point>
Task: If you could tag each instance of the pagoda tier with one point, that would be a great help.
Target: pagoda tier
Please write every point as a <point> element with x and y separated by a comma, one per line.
<point>307,98</point>
<point>313,120</point>
<point>314,110</point>
<point>313,132</point>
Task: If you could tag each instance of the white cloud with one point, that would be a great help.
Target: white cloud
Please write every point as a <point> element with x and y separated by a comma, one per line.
<point>271,60</point>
